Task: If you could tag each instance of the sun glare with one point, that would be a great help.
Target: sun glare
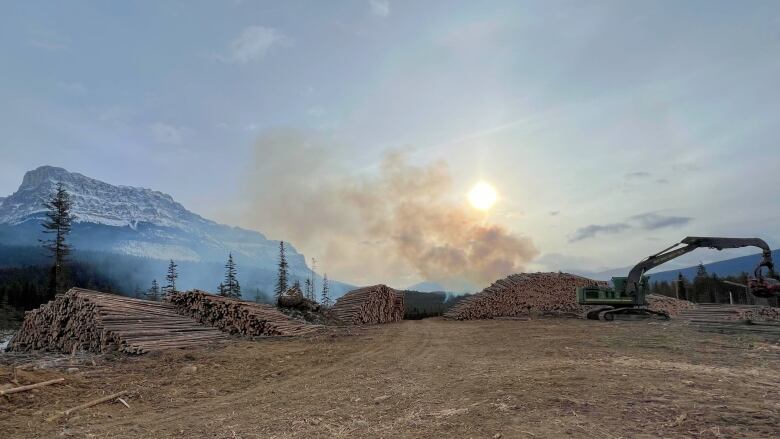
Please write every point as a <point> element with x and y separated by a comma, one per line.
<point>482,196</point>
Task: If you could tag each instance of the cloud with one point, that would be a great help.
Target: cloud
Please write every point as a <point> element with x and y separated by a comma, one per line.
<point>638,174</point>
<point>554,212</point>
<point>167,134</point>
<point>654,221</point>
<point>252,44</point>
<point>380,8</point>
<point>596,229</point>
<point>646,221</point>
<point>397,223</point>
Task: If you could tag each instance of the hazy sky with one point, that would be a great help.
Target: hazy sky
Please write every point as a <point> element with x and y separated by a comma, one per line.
<point>610,129</point>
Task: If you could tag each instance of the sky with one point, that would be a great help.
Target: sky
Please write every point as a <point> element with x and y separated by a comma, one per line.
<point>610,129</point>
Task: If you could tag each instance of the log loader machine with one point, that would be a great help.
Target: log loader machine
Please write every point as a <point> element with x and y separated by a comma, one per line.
<point>627,296</point>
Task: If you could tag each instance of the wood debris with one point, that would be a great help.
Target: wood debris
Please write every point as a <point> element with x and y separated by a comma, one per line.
<point>30,386</point>
<point>87,405</point>
<point>238,317</point>
<point>369,306</point>
<point>97,322</point>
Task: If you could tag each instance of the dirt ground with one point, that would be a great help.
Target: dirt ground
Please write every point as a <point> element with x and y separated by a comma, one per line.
<point>430,378</point>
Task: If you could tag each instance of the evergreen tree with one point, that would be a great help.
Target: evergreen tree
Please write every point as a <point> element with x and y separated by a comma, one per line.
<point>701,285</point>
<point>297,285</point>
<point>325,291</point>
<point>231,288</point>
<point>58,222</point>
<point>307,286</point>
<point>170,279</point>
<point>281,282</point>
<point>701,270</point>
<point>221,289</point>
<point>311,295</point>
<point>154,291</point>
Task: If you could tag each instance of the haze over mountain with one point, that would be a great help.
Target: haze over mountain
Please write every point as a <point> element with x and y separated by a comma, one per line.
<point>138,222</point>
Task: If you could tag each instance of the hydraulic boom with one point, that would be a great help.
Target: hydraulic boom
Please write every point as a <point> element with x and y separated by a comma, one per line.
<point>628,294</point>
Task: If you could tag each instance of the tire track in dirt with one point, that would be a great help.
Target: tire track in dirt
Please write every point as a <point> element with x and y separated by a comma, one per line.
<point>373,346</point>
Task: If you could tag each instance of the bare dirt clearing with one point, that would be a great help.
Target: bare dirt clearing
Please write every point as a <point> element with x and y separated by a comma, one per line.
<point>429,378</point>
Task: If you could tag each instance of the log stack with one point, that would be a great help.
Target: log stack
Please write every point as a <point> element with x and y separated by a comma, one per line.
<point>293,298</point>
<point>93,321</point>
<point>369,306</point>
<point>538,293</point>
<point>670,305</point>
<point>735,319</point>
<point>238,317</point>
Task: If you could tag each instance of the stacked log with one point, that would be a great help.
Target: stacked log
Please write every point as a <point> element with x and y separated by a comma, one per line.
<point>760,321</point>
<point>93,321</point>
<point>369,306</point>
<point>293,298</point>
<point>238,317</point>
<point>538,293</point>
<point>670,305</point>
<point>760,314</point>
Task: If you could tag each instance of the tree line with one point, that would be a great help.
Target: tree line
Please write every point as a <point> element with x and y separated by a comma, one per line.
<point>707,288</point>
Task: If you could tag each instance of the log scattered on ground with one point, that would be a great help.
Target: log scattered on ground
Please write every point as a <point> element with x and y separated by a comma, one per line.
<point>369,306</point>
<point>238,317</point>
<point>98,322</point>
<point>538,293</point>
<point>30,386</point>
<point>87,405</point>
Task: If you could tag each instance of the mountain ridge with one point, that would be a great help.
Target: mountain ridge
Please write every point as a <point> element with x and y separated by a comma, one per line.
<point>134,221</point>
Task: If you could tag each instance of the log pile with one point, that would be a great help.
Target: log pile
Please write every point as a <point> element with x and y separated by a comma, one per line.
<point>93,321</point>
<point>369,306</point>
<point>735,319</point>
<point>760,314</point>
<point>670,305</point>
<point>238,317</point>
<point>293,298</point>
<point>538,293</point>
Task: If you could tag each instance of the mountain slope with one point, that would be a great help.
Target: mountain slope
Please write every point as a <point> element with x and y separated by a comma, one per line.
<point>732,266</point>
<point>133,221</point>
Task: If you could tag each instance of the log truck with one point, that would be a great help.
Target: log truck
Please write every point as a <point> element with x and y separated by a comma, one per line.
<point>627,296</point>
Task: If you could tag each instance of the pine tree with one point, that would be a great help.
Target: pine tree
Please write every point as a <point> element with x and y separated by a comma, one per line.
<point>701,271</point>
<point>297,285</point>
<point>154,291</point>
<point>307,286</point>
<point>231,287</point>
<point>325,291</point>
<point>58,222</point>
<point>281,282</point>
<point>311,295</point>
<point>170,279</point>
<point>221,289</point>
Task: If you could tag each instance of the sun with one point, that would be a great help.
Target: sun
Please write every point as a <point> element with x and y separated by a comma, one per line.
<point>482,196</point>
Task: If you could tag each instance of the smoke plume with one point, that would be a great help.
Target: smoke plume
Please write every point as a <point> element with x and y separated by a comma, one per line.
<point>396,223</point>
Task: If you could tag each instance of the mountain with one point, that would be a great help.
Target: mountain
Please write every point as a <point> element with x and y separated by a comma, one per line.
<point>142,223</point>
<point>133,221</point>
<point>733,266</point>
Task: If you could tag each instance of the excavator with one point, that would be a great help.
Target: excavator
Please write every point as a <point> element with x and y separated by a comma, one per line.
<point>627,295</point>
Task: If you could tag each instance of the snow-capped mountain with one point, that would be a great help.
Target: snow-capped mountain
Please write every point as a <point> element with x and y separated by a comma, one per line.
<point>133,221</point>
